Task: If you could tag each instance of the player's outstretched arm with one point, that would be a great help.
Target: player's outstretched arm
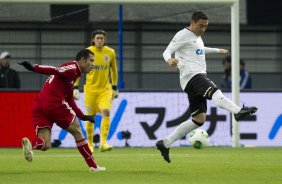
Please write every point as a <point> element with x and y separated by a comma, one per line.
<point>27,65</point>
<point>78,112</point>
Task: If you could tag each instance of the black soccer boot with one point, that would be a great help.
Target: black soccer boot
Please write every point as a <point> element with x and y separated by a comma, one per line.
<point>164,151</point>
<point>244,112</point>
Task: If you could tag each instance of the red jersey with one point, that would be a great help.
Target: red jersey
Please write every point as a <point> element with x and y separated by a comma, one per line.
<point>59,86</point>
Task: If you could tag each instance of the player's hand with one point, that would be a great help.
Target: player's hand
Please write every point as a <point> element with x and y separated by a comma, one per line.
<point>27,65</point>
<point>172,62</point>
<point>115,92</point>
<point>223,51</point>
<point>76,93</point>
<point>88,118</point>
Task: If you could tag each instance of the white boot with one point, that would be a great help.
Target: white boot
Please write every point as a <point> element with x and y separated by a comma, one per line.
<point>27,149</point>
<point>98,168</point>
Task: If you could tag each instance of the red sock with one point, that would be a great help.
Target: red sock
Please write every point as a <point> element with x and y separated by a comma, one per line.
<point>84,150</point>
<point>37,143</point>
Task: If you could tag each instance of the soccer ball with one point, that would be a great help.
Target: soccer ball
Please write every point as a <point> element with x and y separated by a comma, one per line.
<point>199,138</point>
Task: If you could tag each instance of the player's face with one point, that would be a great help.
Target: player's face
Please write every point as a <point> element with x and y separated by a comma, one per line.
<point>200,26</point>
<point>88,66</point>
<point>99,40</point>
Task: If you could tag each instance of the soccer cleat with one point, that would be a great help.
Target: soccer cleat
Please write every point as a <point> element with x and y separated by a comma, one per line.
<point>27,149</point>
<point>244,112</point>
<point>97,169</point>
<point>164,151</point>
<point>105,147</point>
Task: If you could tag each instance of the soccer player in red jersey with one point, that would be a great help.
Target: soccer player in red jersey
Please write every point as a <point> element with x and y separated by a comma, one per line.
<point>55,104</point>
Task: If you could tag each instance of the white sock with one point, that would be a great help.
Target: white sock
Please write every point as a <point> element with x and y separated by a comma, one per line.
<point>179,132</point>
<point>223,102</point>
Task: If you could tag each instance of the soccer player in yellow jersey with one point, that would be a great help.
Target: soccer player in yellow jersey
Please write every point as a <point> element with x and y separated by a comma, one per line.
<point>100,87</point>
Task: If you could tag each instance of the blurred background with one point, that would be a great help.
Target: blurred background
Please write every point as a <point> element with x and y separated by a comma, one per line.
<point>53,33</point>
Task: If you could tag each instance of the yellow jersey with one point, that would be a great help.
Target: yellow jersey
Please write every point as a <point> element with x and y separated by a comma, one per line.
<point>104,73</point>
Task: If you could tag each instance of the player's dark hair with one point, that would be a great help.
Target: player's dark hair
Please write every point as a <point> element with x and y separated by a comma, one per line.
<point>84,53</point>
<point>197,15</point>
<point>94,33</point>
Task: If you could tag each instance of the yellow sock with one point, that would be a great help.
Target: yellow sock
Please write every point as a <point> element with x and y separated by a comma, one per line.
<point>89,133</point>
<point>105,126</point>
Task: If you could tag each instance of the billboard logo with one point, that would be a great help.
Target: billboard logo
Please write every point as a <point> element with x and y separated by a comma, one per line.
<point>276,126</point>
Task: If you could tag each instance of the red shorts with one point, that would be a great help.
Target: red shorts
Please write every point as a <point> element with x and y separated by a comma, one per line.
<point>45,113</point>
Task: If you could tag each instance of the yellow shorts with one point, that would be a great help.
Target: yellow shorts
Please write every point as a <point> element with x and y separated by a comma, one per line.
<point>95,102</point>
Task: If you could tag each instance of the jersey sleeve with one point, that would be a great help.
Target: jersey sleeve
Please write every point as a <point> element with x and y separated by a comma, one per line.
<point>114,71</point>
<point>209,50</point>
<point>45,69</point>
<point>73,105</point>
<point>176,43</point>
<point>69,71</point>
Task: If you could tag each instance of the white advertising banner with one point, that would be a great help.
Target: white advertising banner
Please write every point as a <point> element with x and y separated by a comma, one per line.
<point>150,116</point>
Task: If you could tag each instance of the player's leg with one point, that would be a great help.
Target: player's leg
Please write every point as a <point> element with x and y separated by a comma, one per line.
<point>178,133</point>
<point>223,102</point>
<point>65,118</point>
<point>105,100</point>
<point>184,128</point>
<point>198,109</point>
<point>105,126</point>
<point>89,128</point>
<point>91,108</point>
<point>82,146</point>
<point>195,90</point>
<point>41,142</point>
<point>202,85</point>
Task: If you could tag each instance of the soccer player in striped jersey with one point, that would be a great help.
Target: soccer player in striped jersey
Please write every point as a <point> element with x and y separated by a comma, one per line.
<point>189,50</point>
<point>55,104</point>
<point>100,87</point>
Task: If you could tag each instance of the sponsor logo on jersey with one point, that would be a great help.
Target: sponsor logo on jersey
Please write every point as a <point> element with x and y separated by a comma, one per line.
<point>100,67</point>
<point>106,58</point>
<point>200,52</point>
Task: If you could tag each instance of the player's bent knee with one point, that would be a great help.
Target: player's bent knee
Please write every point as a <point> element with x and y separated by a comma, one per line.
<point>210,92</point>
<point>197,123</point>
<point>105,112</point>
<point>200,118</point>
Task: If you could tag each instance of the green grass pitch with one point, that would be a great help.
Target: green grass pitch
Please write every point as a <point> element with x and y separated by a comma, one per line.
<point>146,166</point>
